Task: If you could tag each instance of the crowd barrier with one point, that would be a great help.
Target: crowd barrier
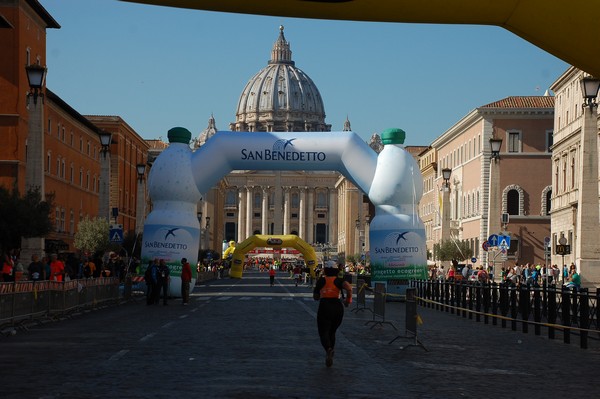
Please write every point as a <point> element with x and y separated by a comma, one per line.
<point>25,301</point>
<point>555,308</point>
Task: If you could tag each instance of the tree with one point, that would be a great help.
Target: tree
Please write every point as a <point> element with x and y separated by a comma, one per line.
<point>92,235</point>
<point>27,216</point>
<point>453,250</point>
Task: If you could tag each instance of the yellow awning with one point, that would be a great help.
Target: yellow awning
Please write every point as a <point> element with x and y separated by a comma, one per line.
<point>566,29</point>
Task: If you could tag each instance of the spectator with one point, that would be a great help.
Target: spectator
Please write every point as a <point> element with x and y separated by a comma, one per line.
<point>163,281</point>
<point>36,269</point>
<point>8,268</point>
<point>151,278</point>
<point>57,268</point>
<point>186,279</point>
<point>574,279</point>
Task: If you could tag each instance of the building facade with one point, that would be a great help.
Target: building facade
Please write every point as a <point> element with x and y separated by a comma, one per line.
<point>47,144</point>
<point>483,188</point>
<point>574,222</point>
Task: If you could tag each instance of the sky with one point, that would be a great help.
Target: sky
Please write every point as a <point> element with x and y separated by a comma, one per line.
<point>159,67</point>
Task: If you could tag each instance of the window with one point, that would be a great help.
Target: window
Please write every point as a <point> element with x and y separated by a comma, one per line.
<point>230,199</point>
<point>514,142</point>
<point>512,202</point>
<point>295,200</point>
<point>230,231</point>
<point>321,202</point>
<point>48,162</point>
<point>548,202</point>
<point>257,200</point>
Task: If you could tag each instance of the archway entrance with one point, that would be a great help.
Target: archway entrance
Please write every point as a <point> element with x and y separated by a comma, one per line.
<point>273,241</point>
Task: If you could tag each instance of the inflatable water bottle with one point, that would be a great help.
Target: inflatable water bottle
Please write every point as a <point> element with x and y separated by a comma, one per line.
<point>397,234</point>
<point>172,230</point>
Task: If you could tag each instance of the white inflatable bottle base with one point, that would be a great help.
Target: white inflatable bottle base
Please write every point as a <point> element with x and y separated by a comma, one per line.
<point>397,234</point>
<point>172,230</point>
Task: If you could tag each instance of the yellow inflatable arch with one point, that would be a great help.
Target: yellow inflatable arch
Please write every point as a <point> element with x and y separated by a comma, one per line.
<point>273,241</point>
<point>566,29</point>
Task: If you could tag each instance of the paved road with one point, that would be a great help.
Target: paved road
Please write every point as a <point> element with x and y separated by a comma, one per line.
<point>245,339</point>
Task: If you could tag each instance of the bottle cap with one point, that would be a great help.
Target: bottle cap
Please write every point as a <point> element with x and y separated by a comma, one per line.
<point>179,135</point>
<point>393,136</point>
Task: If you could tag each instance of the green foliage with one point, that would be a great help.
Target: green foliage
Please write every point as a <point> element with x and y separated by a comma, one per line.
<point>23,217</point>
<point>92,235</point>
<point>453,250</point>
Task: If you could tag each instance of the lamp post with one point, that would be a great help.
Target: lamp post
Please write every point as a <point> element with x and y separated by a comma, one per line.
<point>199,215</point>
<point>587,248</point>
<point>494,198</point>
<point>357,236</point>
<point>34,164</point>
<point>104,200</point>
<point>445,205</point>
<point>141,198</point>
<point>207,232</point>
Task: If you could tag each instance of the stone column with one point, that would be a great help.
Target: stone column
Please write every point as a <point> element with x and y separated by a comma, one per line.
<point>301,216</point>
<point>265,211</point>
<point>310,226</point>
<point>332,233</point>
<point>241,228</point>
<point>249,210</point>
<point>286,210</point>
<point>277,209</point>
<point>587,247</point>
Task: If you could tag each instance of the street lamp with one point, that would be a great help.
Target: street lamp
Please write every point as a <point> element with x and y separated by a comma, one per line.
<point>105,139</point>
<point>36,74</point>
<point>141,171</point>
<point>495,144</point>
<point>34,158</point>
<point>446,172</point>
<point>589,87</point>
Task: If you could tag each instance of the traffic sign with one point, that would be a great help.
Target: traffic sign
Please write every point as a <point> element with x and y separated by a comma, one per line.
<point>504,242</point>
<point>473,260</point>
<point>115,233</point>
<point>493,240</point>
<point>485,246</point>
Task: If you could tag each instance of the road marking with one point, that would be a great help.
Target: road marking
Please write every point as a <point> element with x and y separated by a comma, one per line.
<point>147,337</point>
<point>183,316</point>
<point>118,355</point>
<point>223,298</point>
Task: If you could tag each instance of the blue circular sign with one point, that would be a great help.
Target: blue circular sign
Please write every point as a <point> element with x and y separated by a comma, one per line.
<point>473,260</point>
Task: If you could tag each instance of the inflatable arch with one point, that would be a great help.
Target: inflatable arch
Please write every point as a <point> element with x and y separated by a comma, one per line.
<point>179,177</point>
<point>275,241</point>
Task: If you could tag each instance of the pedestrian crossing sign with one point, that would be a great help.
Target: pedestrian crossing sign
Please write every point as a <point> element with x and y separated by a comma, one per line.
<point>504,242</point>
<point>115,234</point>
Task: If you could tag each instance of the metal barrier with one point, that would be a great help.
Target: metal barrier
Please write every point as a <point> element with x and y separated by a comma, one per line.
<point>411,321</point>
<point>379,307</point>
<point>569,310</point>
<point>361,296</point>
<point>25,301</point>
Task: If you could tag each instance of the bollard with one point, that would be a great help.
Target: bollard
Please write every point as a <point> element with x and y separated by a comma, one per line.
<point>566,314</point>
<point>584,317</point>
<point>551,311</point>
<point>127,287</point>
